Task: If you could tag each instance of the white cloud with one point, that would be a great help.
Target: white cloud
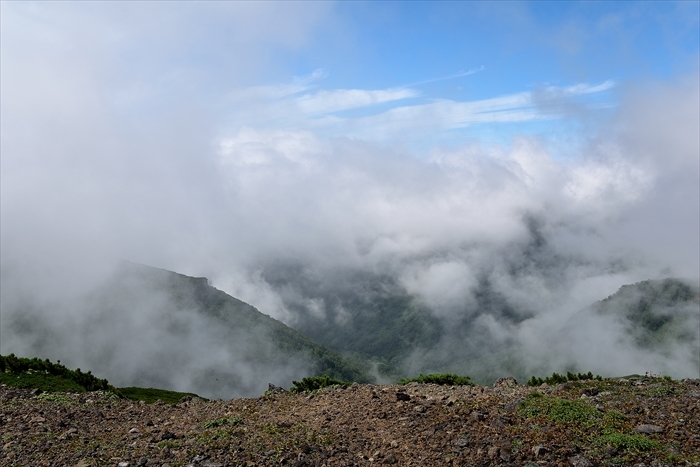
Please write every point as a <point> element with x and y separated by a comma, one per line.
<point>324,102</point>
<point>317,109</point>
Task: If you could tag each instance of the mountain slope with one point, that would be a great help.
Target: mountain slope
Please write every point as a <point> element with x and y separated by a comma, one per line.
<point>150,327</point>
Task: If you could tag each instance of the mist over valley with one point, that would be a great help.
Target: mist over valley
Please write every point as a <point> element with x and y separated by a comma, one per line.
<point>366,204</point>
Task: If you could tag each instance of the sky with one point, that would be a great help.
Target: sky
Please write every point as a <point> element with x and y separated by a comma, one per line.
<point>418,139</point>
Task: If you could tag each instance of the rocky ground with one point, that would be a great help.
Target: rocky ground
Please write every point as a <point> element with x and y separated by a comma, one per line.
<point>640,421</point>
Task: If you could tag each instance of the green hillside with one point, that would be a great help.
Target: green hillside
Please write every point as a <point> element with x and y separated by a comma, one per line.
<point>277,342</point>
<point>656,312</point>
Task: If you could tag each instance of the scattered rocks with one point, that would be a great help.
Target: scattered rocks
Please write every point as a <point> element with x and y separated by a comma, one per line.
<point>424,425</point>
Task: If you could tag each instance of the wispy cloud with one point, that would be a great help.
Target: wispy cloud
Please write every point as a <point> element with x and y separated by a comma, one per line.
<point>460,74</point>
<point>444,114</point>
<point>299,105</point>
<point>324,102</point>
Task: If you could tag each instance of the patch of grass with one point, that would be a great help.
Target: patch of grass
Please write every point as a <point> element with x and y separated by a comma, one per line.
<point>223,421</point>
<point>557,410</point>
<point>315,383</point>
<point>660,391</point>
<point>150,395</point>
<point>47,376</point>
<point>444,379</point>
<point>40,380</point>
<point>628,442</point>
<point>52,397</point>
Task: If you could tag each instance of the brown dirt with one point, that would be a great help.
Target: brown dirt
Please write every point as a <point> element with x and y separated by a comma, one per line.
<point>363,425</point>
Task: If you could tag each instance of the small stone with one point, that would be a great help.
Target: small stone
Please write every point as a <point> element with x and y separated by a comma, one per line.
<point>123,464</point>
<point>648,429</point>
<point>539,450</point>
<point>134,431</point>
<point>419,409</point>
<point>580,461</point>
<point>462,442</point>
<point>512,405</point>
<point>271,388</point>
<point>504,454</point>
<point>493,451</point>
<point>390,459</point>
<point>497,423</point>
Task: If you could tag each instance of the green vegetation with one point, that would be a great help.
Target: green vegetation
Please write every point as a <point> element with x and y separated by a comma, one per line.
<point>150,395</point>
<point>34,373</point>
<point>556,378</point>
<point>53,397</point>
<point>627,442</point>
<point>50,377</point>
<point>558,410</point>
<point>223,421</point>
<point>445,379</point>
<point>315,383</point>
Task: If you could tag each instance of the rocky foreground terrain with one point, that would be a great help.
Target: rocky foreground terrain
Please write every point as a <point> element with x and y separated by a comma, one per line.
<point>640,421</point>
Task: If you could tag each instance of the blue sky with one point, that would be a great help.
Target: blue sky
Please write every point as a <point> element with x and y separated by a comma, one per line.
<point>459,52</point>
<point>422,58</point>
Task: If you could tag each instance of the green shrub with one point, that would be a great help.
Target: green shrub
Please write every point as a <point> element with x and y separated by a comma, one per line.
<point>47,376</point>
<point>556,378</point>
<point>314,383</point>
<point>444,379</point>
<point>628,442</point>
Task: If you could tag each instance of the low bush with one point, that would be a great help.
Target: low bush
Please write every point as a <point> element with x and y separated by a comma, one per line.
<point>444,379</point>
<point>556,378</point>
<point>47,376</point>
<point>314,383</point>
<point>628,442</point>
